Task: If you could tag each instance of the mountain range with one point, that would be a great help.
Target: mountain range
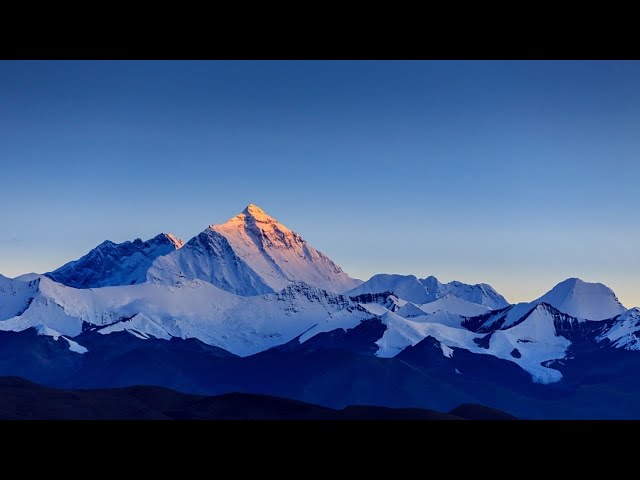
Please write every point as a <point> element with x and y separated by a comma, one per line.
<point>249,306</point>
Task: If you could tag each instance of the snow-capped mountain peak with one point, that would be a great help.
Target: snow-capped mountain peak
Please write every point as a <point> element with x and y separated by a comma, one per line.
<point>573,296</point>
<point>279,255</point>
<point>252,214</point>
<point>580,299</point>
<point>255,226</point>
<point>257,214</point>
<point>250,254</point>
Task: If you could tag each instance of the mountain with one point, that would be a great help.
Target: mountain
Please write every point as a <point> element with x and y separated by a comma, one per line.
<point>112,264</point>
<point>580,299</point>
<point>251,254</point>
<point>421,291</point>
<point>574,297</point>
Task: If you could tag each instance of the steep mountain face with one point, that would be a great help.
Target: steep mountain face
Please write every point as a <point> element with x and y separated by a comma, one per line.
<point>251,254</point>
<point>15,296</point>
<point>208,257</point>
<point>112,264</point>
<point>414,290</point>
<point>379,303</point>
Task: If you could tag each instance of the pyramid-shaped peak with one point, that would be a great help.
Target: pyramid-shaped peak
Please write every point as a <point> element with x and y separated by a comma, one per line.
<point>250,254</point>
<point>253,210</point>
<point>580,299</point>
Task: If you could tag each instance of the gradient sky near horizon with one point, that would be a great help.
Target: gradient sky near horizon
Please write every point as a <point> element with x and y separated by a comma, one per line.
<point>518,174</point>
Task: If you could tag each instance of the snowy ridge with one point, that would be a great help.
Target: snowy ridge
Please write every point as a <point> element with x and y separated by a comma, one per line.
<point>531,344</point>
<point>112,264</point>
<point>625,332</point>
<point>453,304</point>
<point>406,287</point>
<point>414,290</point>
<point>480,294</point>
<point>49,332</point>
<point>380,302</point>
<point>410,310</point>
<point>503,318</point>
<point>448,309</point>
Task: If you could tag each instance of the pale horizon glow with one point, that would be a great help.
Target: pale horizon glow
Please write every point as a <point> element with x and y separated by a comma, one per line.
<point>515,174</point>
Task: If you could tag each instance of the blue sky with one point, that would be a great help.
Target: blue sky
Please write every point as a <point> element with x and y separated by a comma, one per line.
<point>518,174</point>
